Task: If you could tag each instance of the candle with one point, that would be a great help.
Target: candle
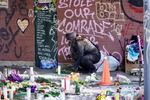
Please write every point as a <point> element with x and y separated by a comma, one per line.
<point>11,94</point>
<point>67,83</point>
<point>59,70</point>
<point>63,83</point>
<point>5,92</point>
<point>31,71</point>
<point>28,93</point>
<point>5,72</point>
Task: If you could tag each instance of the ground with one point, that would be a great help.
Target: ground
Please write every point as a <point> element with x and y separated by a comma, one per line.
<point>90,92</point>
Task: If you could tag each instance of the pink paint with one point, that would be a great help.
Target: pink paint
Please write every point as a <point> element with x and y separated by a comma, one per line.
<point>141,54</point>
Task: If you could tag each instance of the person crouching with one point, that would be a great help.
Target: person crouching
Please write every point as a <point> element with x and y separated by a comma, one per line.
<point>84,53</point>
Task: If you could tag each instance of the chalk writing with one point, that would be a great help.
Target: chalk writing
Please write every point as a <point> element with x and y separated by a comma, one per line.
<point>117,28</point>
<point>31,13</point>
<point>75,3</point>
<point>46,40</point>
<point>81,26</point>
<point>81,12</point>
<point>64,51</point>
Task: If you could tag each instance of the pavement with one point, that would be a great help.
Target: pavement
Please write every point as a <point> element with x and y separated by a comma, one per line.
<point>87,93</point>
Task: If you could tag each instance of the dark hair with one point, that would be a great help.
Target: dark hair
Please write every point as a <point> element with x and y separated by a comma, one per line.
<point>69,35</point>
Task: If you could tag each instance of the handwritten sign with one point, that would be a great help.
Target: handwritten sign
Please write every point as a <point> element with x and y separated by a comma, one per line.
<point>46,40</point>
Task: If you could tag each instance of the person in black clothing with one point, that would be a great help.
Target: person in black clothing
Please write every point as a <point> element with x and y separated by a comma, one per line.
<point>84,52</point>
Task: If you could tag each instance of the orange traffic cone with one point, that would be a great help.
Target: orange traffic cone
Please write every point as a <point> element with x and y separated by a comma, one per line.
<point>106,74</point>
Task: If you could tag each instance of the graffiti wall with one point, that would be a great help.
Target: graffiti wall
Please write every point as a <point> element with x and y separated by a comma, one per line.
<point>105,22</point>
<point>16,30</point>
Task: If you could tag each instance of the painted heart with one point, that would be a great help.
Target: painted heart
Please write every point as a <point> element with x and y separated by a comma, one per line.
<point>23,24</point>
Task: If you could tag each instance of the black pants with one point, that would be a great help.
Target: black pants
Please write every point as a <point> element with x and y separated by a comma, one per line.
<point>87,62</point>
